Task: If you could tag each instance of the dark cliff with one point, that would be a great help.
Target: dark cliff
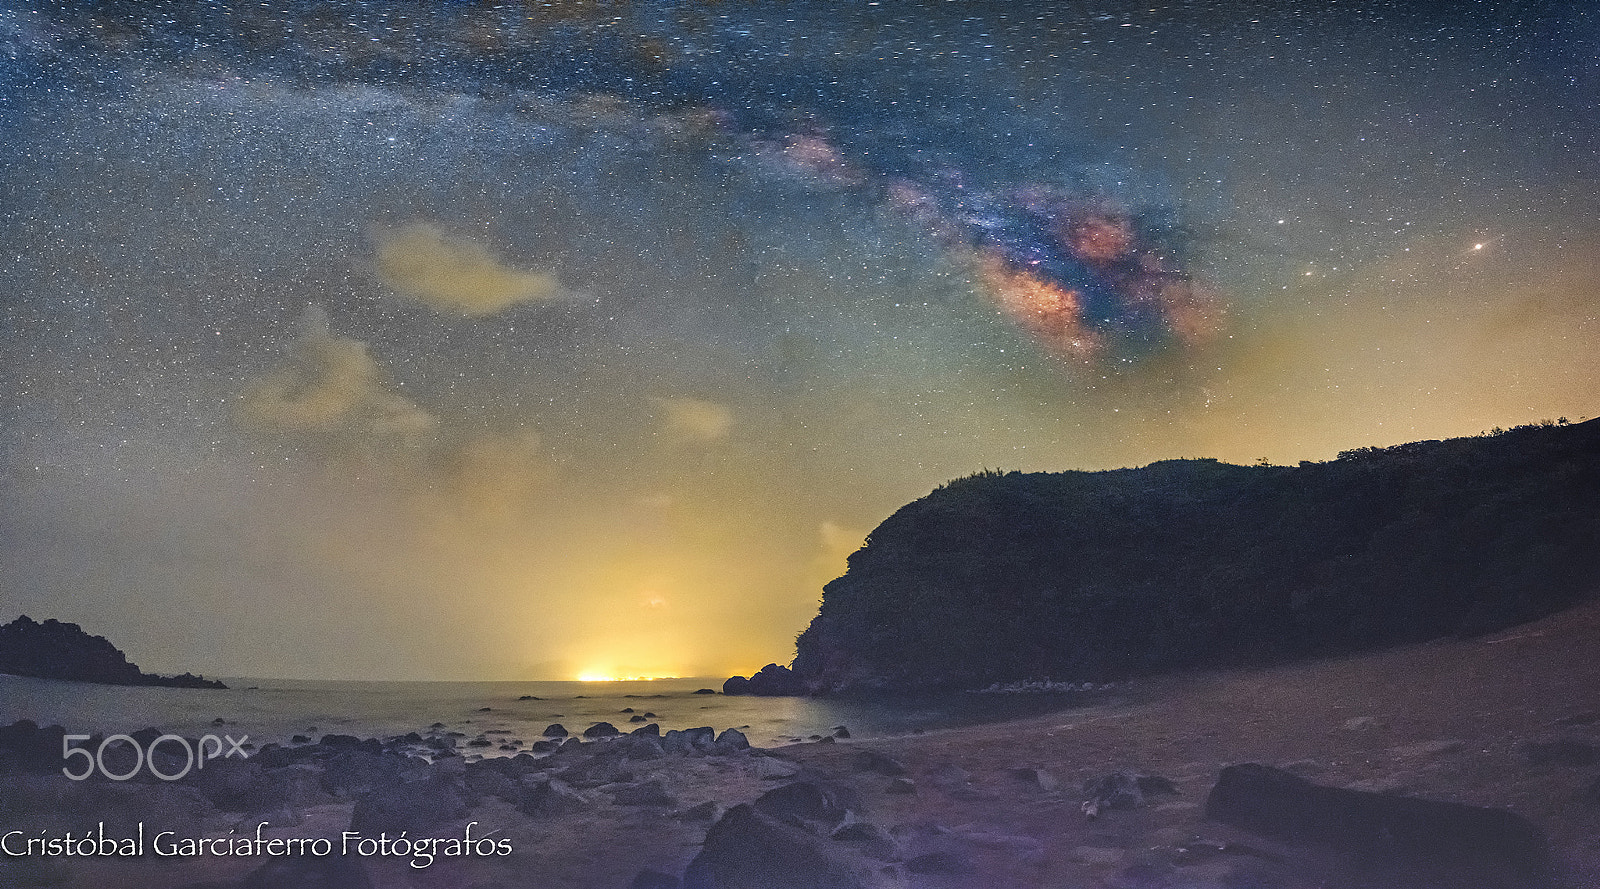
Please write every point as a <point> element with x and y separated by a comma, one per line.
<point>1191,563</point>
<point>54,650</point>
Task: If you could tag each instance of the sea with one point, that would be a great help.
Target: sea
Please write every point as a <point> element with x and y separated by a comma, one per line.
<point>510,714</point>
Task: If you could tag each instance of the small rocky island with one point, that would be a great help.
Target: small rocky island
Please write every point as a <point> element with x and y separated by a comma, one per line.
<point>56,650</point>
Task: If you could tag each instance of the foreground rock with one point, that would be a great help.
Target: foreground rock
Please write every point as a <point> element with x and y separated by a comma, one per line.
<point>1434,843</point>
<point>749,850</point>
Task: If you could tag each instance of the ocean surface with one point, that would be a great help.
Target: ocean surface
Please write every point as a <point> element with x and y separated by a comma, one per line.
<point>274,710</point>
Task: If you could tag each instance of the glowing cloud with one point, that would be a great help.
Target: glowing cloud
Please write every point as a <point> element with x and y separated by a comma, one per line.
<point>695,419</point>
<point>331,396</point>
<point>330,384</point>
<point>455,274</point>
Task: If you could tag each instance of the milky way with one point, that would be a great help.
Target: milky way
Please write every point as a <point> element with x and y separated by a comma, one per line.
<point>591,337</point>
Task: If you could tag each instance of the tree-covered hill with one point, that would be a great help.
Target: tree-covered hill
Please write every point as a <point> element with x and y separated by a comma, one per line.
<point>1183,563</point>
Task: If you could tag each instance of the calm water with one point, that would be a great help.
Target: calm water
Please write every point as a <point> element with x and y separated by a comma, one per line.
<point>275,710</point>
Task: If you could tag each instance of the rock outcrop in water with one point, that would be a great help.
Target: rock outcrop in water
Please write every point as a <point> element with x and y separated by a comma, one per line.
<point>771,681</point>
<point>1187,563</point>
<point>55,650</point>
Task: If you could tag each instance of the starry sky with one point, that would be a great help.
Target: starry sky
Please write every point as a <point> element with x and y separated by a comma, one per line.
<point>544,339</point>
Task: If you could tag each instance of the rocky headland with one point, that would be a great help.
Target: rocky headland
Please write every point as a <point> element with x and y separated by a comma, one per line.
<point>1185,564</point>
<point>56,650</point>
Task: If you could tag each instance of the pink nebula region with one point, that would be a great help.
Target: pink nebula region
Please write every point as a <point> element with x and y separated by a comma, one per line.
<point>1086,280</point>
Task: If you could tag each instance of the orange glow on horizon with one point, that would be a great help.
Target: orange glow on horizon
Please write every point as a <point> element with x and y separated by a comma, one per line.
<point>600,676</point>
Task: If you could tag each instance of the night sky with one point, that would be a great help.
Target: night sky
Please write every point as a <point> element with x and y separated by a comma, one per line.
<point>537,340</point>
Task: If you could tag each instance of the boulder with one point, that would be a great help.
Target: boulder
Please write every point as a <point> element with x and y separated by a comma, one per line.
<point>301,785</point>
<point>708,811</point>
<point>806,804</point>
<point>25,747</point>
<point>675,742</point>
<point>553,798</point>
<point>556,730</point>
<point>647,793</point>
<point>1036,779</point>
<point>1452,842</point>
<point>1121,790</point>
<point>610,766</point>
<point>357,773</point>
<point>748,850</point>
<point>873,761</point>
<point>642,747</point>
<point>736,685</point>
<point>693,740</point>
<point>51,803</point>
<point>731,741</point>
<point>951,778</point>
<point>415,806</point>
<point>601,730</point>
<point>484,779</point>
<point>871,839</point>
<point>236,785</point>
<point>773,768</point>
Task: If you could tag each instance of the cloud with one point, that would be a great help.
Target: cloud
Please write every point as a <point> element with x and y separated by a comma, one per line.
<point>331,385</point>
<point>330,398</point>
<point>695,419</point>
<point>454,274</point>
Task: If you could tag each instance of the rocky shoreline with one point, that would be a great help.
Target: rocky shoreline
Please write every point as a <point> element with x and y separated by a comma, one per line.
<point>705,810</point>
<point>1469,762</point>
